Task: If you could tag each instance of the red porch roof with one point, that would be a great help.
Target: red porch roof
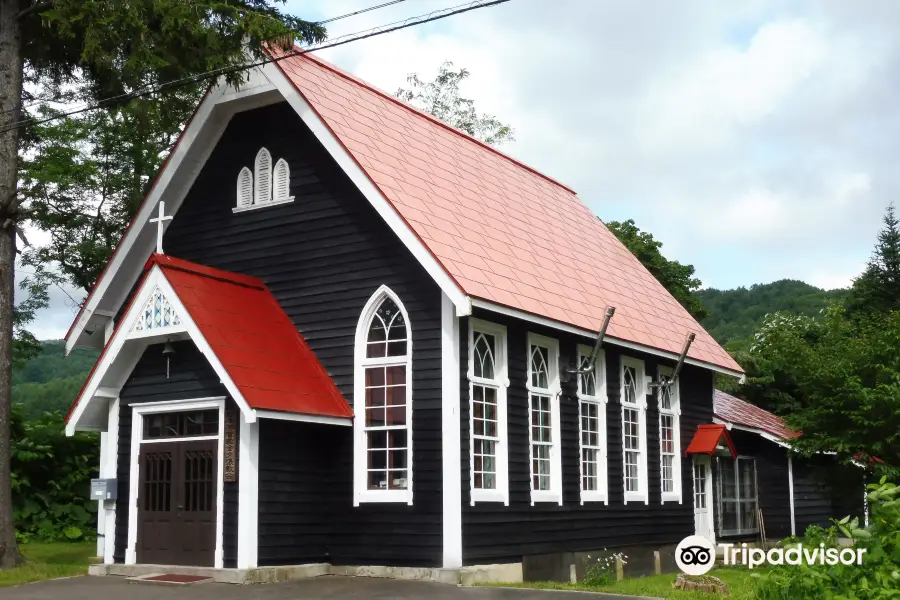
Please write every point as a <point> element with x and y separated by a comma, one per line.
<point>503,231</point>
<point>734,410</point>
<point>252,337</point>
<point>706,440</point>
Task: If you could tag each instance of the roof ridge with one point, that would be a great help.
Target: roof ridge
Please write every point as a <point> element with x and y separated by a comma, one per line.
<point>179,264</point>
<point>349,76</point>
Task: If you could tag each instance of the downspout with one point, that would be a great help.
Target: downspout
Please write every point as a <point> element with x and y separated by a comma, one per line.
<point>791,490</point>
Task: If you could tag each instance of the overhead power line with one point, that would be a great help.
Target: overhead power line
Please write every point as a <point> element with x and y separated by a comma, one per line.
<point>35,101</point>
<point>359,12</point>
<point>434,15</point>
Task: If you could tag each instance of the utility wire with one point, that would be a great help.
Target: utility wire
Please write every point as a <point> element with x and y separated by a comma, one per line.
<point>359,12</point>
<point>61,288</point>
<point>435,15</point>
<point>34,101</point>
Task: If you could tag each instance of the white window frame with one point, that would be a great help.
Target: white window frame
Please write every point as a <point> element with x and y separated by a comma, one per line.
<point>675,413</point>
<point>361,493</point>
<point>554,494</point>
<point>262,187</point>
<point>243,203</point>
<point>642,494</point>
<point>139,410</point>
<point>263,198</point>
<point>600,399</point>
<point>737,493</point>
<point>500,382</point>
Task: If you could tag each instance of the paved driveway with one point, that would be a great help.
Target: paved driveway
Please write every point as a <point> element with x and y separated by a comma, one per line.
<point>324,588</point>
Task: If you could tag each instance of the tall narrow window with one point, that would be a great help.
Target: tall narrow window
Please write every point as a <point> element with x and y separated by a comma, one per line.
<point>263,177</point>
<point>244,188</point>
<point>382,402</point>
<point>634,430</point>
<point>282,184</point>
<point>669,438</point>
<point>592,423</point>
<point>543,407</point>
<point>487,412</point>
<point>737,496</point>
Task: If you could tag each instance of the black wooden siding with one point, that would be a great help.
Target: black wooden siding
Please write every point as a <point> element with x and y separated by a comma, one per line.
<point>824,490</point>
<point>495,533</point>
<point>323,256</point>
<point>191,376</point>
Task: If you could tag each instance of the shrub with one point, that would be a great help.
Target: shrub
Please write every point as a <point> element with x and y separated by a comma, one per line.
<point>878,578</point>
<point>51,477</point>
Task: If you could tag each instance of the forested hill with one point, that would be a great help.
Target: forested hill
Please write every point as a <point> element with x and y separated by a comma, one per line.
<point>734,315</point>
<point>50,381</point>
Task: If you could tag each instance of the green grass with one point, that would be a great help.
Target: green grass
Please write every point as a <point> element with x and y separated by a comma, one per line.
<point>740,584</point>
<point>49,561</point>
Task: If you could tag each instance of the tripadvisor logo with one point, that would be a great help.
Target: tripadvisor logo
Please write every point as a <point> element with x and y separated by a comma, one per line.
<point>696,555</point>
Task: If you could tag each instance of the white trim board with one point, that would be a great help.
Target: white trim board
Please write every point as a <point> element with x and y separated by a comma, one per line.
<point>137,429</point>
<point>139,340</point>
<point>285,416</point>
<point>248,495</point>
<point>450,436</point>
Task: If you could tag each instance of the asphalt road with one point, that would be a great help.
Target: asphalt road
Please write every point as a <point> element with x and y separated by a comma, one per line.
<point>324,588</point>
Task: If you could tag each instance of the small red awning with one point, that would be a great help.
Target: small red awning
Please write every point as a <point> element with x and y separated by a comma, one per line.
<point>711,439</point>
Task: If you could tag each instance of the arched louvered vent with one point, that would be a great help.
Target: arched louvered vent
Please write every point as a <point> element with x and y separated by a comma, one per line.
<point>245,188</point>
<point>263,168</point>
<point>282,184</point>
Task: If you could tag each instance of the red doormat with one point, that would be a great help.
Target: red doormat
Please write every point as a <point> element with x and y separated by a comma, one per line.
<point>175,578</point>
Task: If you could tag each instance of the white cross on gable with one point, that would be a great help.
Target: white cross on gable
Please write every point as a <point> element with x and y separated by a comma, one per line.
<point>160,225</point>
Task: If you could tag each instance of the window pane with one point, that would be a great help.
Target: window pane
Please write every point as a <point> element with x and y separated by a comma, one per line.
<point>387,332</point>
<point>748,516</point>
<point>726,476</point>
<point>587,381</point>
<point>632,481</point>
<point>483,356</point>
<point>665,397</point>
<point>181,424</point>
<point>747,480</point>
<point>541,466</point>
<point>729,516</point>
<point>540,375</point>
<point>629,386</point>
<point>668,473</point>
<point>631,423</point>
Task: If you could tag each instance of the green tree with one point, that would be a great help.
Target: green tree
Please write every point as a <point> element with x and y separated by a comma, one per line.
<point>441,98</point>
<point>83,178</point>
<point>677,278</point>
<point>836,380</point>
<point>112,48</point>
<point>878,288</point>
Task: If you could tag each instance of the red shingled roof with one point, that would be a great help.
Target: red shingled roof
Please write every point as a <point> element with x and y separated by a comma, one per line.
<point>734,410</point>
<point>706,440</point>
<point>504,232</point>
<point>252,337</point>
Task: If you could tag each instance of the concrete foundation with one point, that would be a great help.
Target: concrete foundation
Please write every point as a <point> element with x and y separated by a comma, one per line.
<point>472,575</point>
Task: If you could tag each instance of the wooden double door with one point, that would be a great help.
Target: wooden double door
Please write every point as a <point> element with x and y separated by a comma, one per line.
<point>177,499</point>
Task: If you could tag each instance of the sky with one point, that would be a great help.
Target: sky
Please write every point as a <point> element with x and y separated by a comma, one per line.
<point>755,139</point>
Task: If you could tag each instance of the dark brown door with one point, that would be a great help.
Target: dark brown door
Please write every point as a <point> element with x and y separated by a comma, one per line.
<point>177,503</point>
